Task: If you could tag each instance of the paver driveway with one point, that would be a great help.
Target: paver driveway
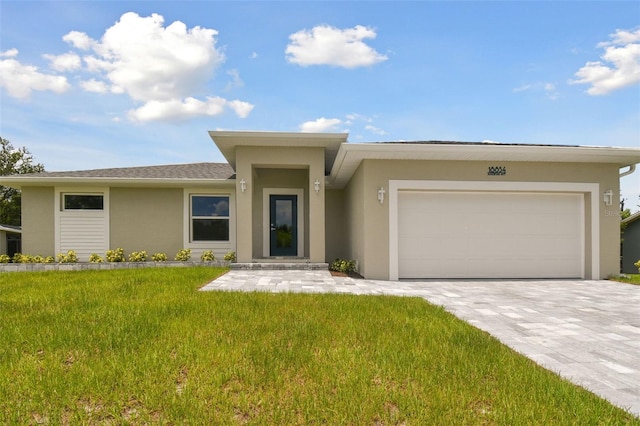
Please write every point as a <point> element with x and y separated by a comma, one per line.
<point>587,331</point>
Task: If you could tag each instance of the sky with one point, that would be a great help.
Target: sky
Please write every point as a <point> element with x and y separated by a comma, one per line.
<point>96,84</point>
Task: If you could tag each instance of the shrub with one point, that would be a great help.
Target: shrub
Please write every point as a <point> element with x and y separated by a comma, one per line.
<point>637,265</point>
<point>183,255</point>
<point>69,257</point>
<point>95,258</point>
<point>345,266</point>
<point>207,256</point>
<point>37,259</point>
<point>230,256</point>
<point>19,258</point>
<point>159,257</point>
<point>116,255</point>
<point>138,256</point>
<point>4,258</point>
<point>49,259</point>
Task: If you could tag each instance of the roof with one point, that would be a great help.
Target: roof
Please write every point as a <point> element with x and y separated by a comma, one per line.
<point>351,155</point>
<point>11,228</point>
<point>166,175</point>
<point>227,141</point>
<point>632,218</point>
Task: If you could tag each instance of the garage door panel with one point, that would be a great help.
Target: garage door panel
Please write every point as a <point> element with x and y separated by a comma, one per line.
<point>490,235</point>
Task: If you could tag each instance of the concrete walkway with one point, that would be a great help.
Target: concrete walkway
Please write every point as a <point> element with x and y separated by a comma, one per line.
<point>586,331</point>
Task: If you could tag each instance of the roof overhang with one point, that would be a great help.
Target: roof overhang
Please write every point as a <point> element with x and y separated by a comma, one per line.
<point>11,229</point>
<point>19,181</point>
<point>350,156</point>
<point>228,141</point>
<point>631,218</point>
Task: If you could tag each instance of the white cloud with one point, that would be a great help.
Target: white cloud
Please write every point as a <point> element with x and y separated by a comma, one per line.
<point>20,80</point>
<point>94,86</point>
<point>162,68</point>
<point>375,130</point>
<point>549,89</point>
<point>235,82</point>
<point>619,68</point>
<point>78,40</point>
<point>326,45</point>
<point>177,110</point>
<point>320,125</point>
<point>11,53</point>
<point>65,62</point>
<point>241,108</point>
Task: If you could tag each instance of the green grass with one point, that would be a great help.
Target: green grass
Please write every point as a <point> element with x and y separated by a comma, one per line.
<point>628,278</point>
<point>143,346</point>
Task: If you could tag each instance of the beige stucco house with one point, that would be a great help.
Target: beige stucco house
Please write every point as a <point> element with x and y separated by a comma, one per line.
<point>400,209</point>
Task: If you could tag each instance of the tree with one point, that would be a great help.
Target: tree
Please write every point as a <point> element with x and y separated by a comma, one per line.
<point>13,161</point>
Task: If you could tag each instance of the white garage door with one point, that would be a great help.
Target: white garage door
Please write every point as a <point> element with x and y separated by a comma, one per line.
<point>490,235</point>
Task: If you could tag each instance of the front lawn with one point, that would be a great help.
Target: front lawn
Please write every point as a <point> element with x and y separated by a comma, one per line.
<point>144,346</point>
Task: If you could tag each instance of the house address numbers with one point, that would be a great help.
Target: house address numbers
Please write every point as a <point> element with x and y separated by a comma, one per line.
<point>497,171</point>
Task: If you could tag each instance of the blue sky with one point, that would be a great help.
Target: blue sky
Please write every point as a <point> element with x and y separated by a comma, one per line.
<point>93,84</point>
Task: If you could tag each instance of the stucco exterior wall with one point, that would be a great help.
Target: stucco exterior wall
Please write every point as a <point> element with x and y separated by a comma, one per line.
<point>146,219</point>
<point>38,234</point>
<point>631,248</point>
<point>377,173</point>
<point>277,178</point>
<point>336,226</point>
<point>354,214</point>
<point>251,158</point>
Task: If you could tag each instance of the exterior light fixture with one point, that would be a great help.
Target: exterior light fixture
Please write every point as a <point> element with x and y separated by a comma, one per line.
<point>608,197</point>
<point>243,185</point>
<point>381,192</point>
<point>316,186</point>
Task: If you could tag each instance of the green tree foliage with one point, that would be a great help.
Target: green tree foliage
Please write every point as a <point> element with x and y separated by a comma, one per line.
<point>13,161</point>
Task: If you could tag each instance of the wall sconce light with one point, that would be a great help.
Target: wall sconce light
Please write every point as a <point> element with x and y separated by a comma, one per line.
<point>608,197</point>
<point>316,186</point>
<point>381,192</point>
<point>243,185</point>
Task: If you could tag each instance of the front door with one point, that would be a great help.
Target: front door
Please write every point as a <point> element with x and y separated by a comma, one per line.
<point>284,225</point>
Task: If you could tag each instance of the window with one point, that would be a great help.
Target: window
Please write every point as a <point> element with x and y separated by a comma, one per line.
<point>83,202</point>
<point>209,218</point>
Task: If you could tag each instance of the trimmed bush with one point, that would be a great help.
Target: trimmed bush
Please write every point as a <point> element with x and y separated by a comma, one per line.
<point>230,256</point>
<point>138,256</point>
<point>159,257</point>
<point>116,255</point>
<point>637,265</point>
<point>4,258</point>
<point>183,255</point>
<point>69,257</point>
<point>207,256</point>
<point>95,258</point>
<point>344,266</point>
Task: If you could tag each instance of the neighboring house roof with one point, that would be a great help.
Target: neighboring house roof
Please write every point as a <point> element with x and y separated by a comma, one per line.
<point>11,228</point>
<point>195,173</point>
<point>632,218</point>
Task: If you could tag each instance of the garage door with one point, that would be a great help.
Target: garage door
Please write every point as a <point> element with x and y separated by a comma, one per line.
<point>490,235</point>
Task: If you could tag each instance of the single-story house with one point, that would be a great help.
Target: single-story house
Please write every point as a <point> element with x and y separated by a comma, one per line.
<point>10,238</point>
<point>399,209</point>
<point>631,244</point>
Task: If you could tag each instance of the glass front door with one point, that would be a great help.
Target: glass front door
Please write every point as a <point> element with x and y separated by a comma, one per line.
<point>284,225</point>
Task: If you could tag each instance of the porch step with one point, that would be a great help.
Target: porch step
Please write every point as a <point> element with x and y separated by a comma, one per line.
<point>281,266</point>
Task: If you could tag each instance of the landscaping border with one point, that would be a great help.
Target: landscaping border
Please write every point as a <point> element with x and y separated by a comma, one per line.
<point>103,266</point>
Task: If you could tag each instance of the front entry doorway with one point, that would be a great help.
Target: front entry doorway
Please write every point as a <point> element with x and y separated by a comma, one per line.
<point>283,220</point>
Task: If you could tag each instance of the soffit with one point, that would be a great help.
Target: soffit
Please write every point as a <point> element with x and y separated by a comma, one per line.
<point>227,141</point>
<point>350,156</point>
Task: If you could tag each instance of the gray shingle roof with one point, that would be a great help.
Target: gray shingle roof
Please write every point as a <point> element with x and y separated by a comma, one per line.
<point>215,171</point>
